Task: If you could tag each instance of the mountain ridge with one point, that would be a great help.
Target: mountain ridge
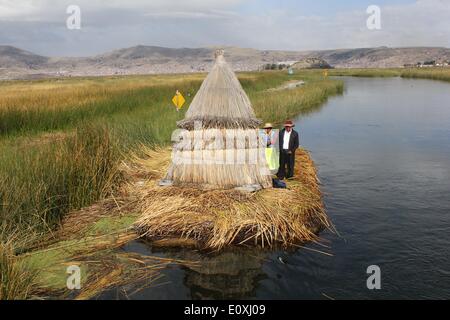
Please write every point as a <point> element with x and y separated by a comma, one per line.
<point>16,63</point>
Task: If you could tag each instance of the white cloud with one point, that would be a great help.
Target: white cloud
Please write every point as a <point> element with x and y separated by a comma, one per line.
<point>46,10</point>
<point>423,23</point>
<point>209,14</point>
<point>14,9</point>
<point>111,24</point>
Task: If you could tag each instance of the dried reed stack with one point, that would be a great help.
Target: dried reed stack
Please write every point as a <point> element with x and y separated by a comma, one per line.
<point>219,145</point>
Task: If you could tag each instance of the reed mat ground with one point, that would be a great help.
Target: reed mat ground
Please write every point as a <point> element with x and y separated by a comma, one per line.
<point>214,219</point>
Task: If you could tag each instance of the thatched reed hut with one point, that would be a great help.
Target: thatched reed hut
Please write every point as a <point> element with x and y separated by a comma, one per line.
<point>218,144</point>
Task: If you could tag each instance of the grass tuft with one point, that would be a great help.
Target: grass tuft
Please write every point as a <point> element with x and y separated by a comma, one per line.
<point>17,279</point>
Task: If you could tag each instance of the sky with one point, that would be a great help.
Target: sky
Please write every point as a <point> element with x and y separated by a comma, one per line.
<point>40,25</point>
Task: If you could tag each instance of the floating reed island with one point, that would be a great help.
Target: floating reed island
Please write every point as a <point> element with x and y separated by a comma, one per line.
<point>214,189</point>
<point>214,219</point>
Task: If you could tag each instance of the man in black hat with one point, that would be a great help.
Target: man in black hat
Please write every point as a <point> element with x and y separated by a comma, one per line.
<point>289,143</point>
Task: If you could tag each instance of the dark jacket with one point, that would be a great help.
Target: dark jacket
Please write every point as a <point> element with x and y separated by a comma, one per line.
<point>293,141</point>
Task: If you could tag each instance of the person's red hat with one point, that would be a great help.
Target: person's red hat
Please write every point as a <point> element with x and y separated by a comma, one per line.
<point>289,123</point>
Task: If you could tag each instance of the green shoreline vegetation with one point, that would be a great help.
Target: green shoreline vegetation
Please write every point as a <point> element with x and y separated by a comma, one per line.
<point>63,141</point>
<point>441,74</point>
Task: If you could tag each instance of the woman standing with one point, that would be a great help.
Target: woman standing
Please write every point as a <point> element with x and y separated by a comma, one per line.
<point>270,138</point>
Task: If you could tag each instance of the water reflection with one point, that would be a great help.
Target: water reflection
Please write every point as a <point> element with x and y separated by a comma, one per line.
<point>230,274</point>
<point>227,275</point>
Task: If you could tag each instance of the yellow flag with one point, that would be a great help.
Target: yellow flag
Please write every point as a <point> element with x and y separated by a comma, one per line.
<point>178,100</point>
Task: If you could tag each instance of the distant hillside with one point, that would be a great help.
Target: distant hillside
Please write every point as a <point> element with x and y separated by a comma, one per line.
<point>16,63</point>
<point>382,57</point>
<point>145,52</point>
<point>311,63</point>
<point>11,57</point>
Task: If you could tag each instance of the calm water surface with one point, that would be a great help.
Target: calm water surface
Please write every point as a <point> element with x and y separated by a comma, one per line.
<point>383,153</point>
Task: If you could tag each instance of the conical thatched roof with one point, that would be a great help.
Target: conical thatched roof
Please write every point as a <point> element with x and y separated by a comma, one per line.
<point>221,102</point>
<point>220,147</point>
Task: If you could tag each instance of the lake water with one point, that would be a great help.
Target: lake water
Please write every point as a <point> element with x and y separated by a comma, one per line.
<point>383,154</point>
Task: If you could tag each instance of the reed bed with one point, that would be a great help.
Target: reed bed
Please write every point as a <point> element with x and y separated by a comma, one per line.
<point>17,280</point>
<point>26,95</point>
<point>219,218</point>
<point>40,185</point>
<point>370,73</point>
<point>441,74</point>
<point>44,111</point>
<point>286,104</point>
